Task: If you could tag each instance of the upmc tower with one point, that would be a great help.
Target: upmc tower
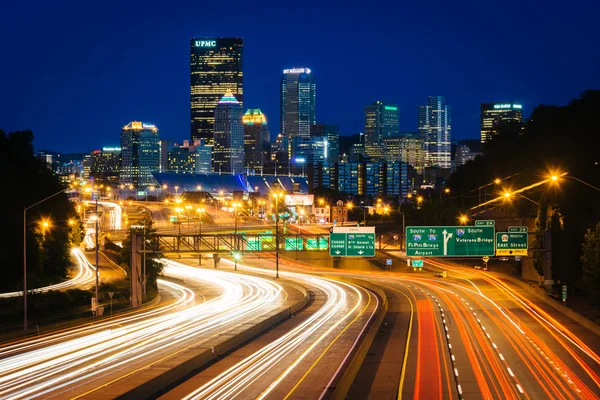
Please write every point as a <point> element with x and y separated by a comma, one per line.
<point>216,66</point>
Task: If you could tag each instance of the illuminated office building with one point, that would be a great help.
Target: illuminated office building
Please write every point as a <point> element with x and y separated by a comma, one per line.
<point>298,98</point>
<point>105,165</point>
<point>257,140</point>
<point>228,140</point>
<point>381,121</point>
<point>140,154</point>
<point>494,114</point>
<point>216,67</point>
<point>332,134</point>
<point>435,132</point>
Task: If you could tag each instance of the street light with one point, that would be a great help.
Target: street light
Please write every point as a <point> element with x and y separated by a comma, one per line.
<point>556,178</point>
<point>200,211</point>
<point>463,219</point>
<point>178,210</point>
<point>509,195</point>
<point>277,195</point>
<point>349,205</point>
<point>25,254</point>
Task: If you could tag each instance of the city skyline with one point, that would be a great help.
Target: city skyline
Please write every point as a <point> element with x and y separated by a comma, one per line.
<point>467,81</point>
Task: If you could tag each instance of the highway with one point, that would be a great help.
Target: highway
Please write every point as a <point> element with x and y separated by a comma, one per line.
<point>471,335</point>
<point>85,274</point>
<point>303,357</point>
<point>95,359</point>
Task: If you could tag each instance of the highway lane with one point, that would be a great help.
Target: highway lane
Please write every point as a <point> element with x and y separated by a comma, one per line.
<point>85,274</point>
<point>303,357</point>
<point>556,348</point>
<point>491,340</point>
<point>93,360</point>
<point>496,352</point>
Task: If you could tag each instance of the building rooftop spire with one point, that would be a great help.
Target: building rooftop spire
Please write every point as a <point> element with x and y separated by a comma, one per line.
<point>228,98</point>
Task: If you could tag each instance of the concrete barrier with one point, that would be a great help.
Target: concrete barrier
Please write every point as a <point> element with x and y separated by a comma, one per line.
<point>345,382</point>
<point>151,388</point>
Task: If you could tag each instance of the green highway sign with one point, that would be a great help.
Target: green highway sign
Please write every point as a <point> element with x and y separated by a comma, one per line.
<point>311,244</point>
<point>515,229</point>
<point>417,263</point>
<point>293,243</point>
<point>352,242</point>
<point>485,222</point>
<point>450,241</point>
<point>254,244</point>
<point>511,244</point>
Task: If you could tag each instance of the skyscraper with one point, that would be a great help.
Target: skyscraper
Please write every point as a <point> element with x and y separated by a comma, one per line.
<point>105,165</point>
<point>494,114</point>
<point>140,154</point>
<point>228,150</point>
<point>257,141</point>
<point>332,134</point>
<point>215,66</point>
<point>298,97</point>
<point>435,132</point>
<point>381,122</point>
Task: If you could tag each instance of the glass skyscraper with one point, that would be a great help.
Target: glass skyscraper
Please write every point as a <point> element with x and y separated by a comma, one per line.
<point>298,98</point>
<point>381,121</point>
<point>332,134</point>
<point>216,67</point>
<point>435,132</point>
<point>140,154</point>
<point>228,150</point>
<point>494,114</point>
<point>257,140</point>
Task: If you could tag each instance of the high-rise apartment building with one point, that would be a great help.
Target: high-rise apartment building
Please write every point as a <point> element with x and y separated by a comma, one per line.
<point>494,114</point>
<point>297,107</point>
<point>216,66</point>
<point>257,140</point>
<point>140,154</point>
<point>332,134</point>
<point>435,126</point>
<point>381,121</point>
<point>228,149</point>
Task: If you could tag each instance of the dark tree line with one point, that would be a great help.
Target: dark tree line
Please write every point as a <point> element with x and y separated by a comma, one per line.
<point>27,180</point>
<point>555,139</point>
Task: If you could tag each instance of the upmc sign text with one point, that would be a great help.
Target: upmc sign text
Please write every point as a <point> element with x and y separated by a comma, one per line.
<point>206,43</point>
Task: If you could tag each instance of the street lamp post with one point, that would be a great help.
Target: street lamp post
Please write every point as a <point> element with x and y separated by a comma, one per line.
<point>277,195</point>
<point>25,254</point>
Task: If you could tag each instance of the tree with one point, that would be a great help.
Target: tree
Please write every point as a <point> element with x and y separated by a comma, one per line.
<point>28,181</point>
<point>590,260</point>
<point>555,138</point>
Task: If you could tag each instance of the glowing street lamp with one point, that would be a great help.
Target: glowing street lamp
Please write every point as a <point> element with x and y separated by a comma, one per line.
<point>200,211</point>
<point>25,253</point>
<point>463,219</point>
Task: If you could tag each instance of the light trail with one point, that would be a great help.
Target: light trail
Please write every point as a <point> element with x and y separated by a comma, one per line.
<point>74,360</point>
<point>549,370</point>
<point>343,302</point>
<point>116,213</point>
<point>85,274</point>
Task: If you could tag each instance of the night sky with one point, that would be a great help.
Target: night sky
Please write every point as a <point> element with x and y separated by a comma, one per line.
<point>75,73</point>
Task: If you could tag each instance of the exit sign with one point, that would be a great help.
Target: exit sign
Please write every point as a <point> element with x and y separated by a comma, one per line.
<point>352,242</point>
